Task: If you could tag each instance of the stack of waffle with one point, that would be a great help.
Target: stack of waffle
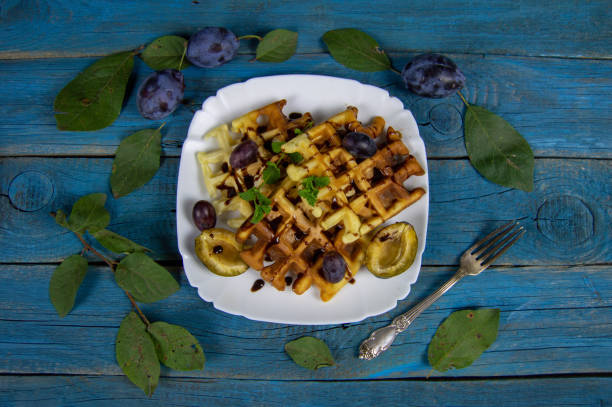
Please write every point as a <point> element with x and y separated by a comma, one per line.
<point>263,126</point>
<point>292,238</point>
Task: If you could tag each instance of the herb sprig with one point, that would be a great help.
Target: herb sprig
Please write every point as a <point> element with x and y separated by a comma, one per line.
<point>261,202</point>
<point>271,174</point>
<point>311,186</point>
<point>295,157</point>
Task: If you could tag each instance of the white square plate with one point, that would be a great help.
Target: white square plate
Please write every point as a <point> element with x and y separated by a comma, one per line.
<point>323,96</point>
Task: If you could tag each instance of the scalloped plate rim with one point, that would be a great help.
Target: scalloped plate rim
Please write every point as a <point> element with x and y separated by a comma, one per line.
<point>195,277</point>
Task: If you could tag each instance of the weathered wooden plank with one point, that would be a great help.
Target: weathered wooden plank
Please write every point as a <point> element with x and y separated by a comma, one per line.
<point>567,217</point>
<point>561,106</point>
<point>94,391</point>
<point>565,28</point>
<point>553,321</point>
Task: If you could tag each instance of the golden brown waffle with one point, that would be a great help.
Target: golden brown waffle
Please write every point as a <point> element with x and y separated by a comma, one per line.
<point>359,197</point>
<point>263,126</point>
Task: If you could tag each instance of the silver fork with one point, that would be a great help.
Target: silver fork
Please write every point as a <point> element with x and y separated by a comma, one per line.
<point>475,259</point>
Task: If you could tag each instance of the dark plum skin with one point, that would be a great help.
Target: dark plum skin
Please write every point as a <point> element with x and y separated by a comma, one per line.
<point>334,267</point>
<point>432,76</point>
<point>243,154</point>
<point>360,145</point>
<point>212,46</point>
<point>160,94</point>
<point>204,215</point>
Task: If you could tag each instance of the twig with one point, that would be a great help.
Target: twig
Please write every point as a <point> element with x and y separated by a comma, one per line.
<point>140,48</point>
<point>142,316</point>
<point>244,37</point>
<point>462,98</point>
<point>110,263</point>
<point>183,57</point>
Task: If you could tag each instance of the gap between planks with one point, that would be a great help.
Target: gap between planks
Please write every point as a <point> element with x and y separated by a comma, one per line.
<point>20,55</point>
<point>553,376</point>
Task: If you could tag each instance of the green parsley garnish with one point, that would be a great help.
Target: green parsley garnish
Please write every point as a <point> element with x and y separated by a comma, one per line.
<point>311,186</point>
<point>297,132</point>
<point>295,157</point>
<point>271,174</point>
<point>261,202</point>
<point>276,146</point>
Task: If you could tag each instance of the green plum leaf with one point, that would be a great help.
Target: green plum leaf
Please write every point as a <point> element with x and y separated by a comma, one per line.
<point>277,46</point>
<point>309,352</point>
<point>176,347</point>
<point>117,243</point>
<point>146,280</point>
<point>65,283</point>
<point>93,99</point>
<point>499,152</point>
<point>167,52</point>
<point>89,213</point>
<point>136,355</point>
<point>462,338</point>
<point>136,161</point>
<point>356,50</point>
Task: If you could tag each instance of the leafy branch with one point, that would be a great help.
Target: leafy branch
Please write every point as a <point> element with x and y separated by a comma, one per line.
<point>112,264</point>
<point>495,148</point>
<point>140,345</point>
<point>93,100</point>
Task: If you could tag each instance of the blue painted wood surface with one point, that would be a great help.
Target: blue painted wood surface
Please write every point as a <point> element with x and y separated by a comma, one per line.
<point>546,327</point>
<point>558,28</point>
<point>95,390</point>
<point>544,66</point>
<point>570,208</point>
<point>561,106</point>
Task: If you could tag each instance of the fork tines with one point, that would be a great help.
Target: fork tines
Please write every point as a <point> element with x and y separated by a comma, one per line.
<point>486,251</point>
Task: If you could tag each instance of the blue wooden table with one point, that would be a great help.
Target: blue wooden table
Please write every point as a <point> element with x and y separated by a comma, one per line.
<point>544,66</point>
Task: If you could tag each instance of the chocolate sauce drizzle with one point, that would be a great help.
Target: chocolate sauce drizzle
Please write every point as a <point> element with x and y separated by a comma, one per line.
<point>257,285</point>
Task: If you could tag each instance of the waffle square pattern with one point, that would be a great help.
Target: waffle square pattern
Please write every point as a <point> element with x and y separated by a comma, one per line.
<point>286,241</point>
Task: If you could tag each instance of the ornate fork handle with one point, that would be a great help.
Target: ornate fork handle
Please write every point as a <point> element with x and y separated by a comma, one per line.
<point>381,339</point>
